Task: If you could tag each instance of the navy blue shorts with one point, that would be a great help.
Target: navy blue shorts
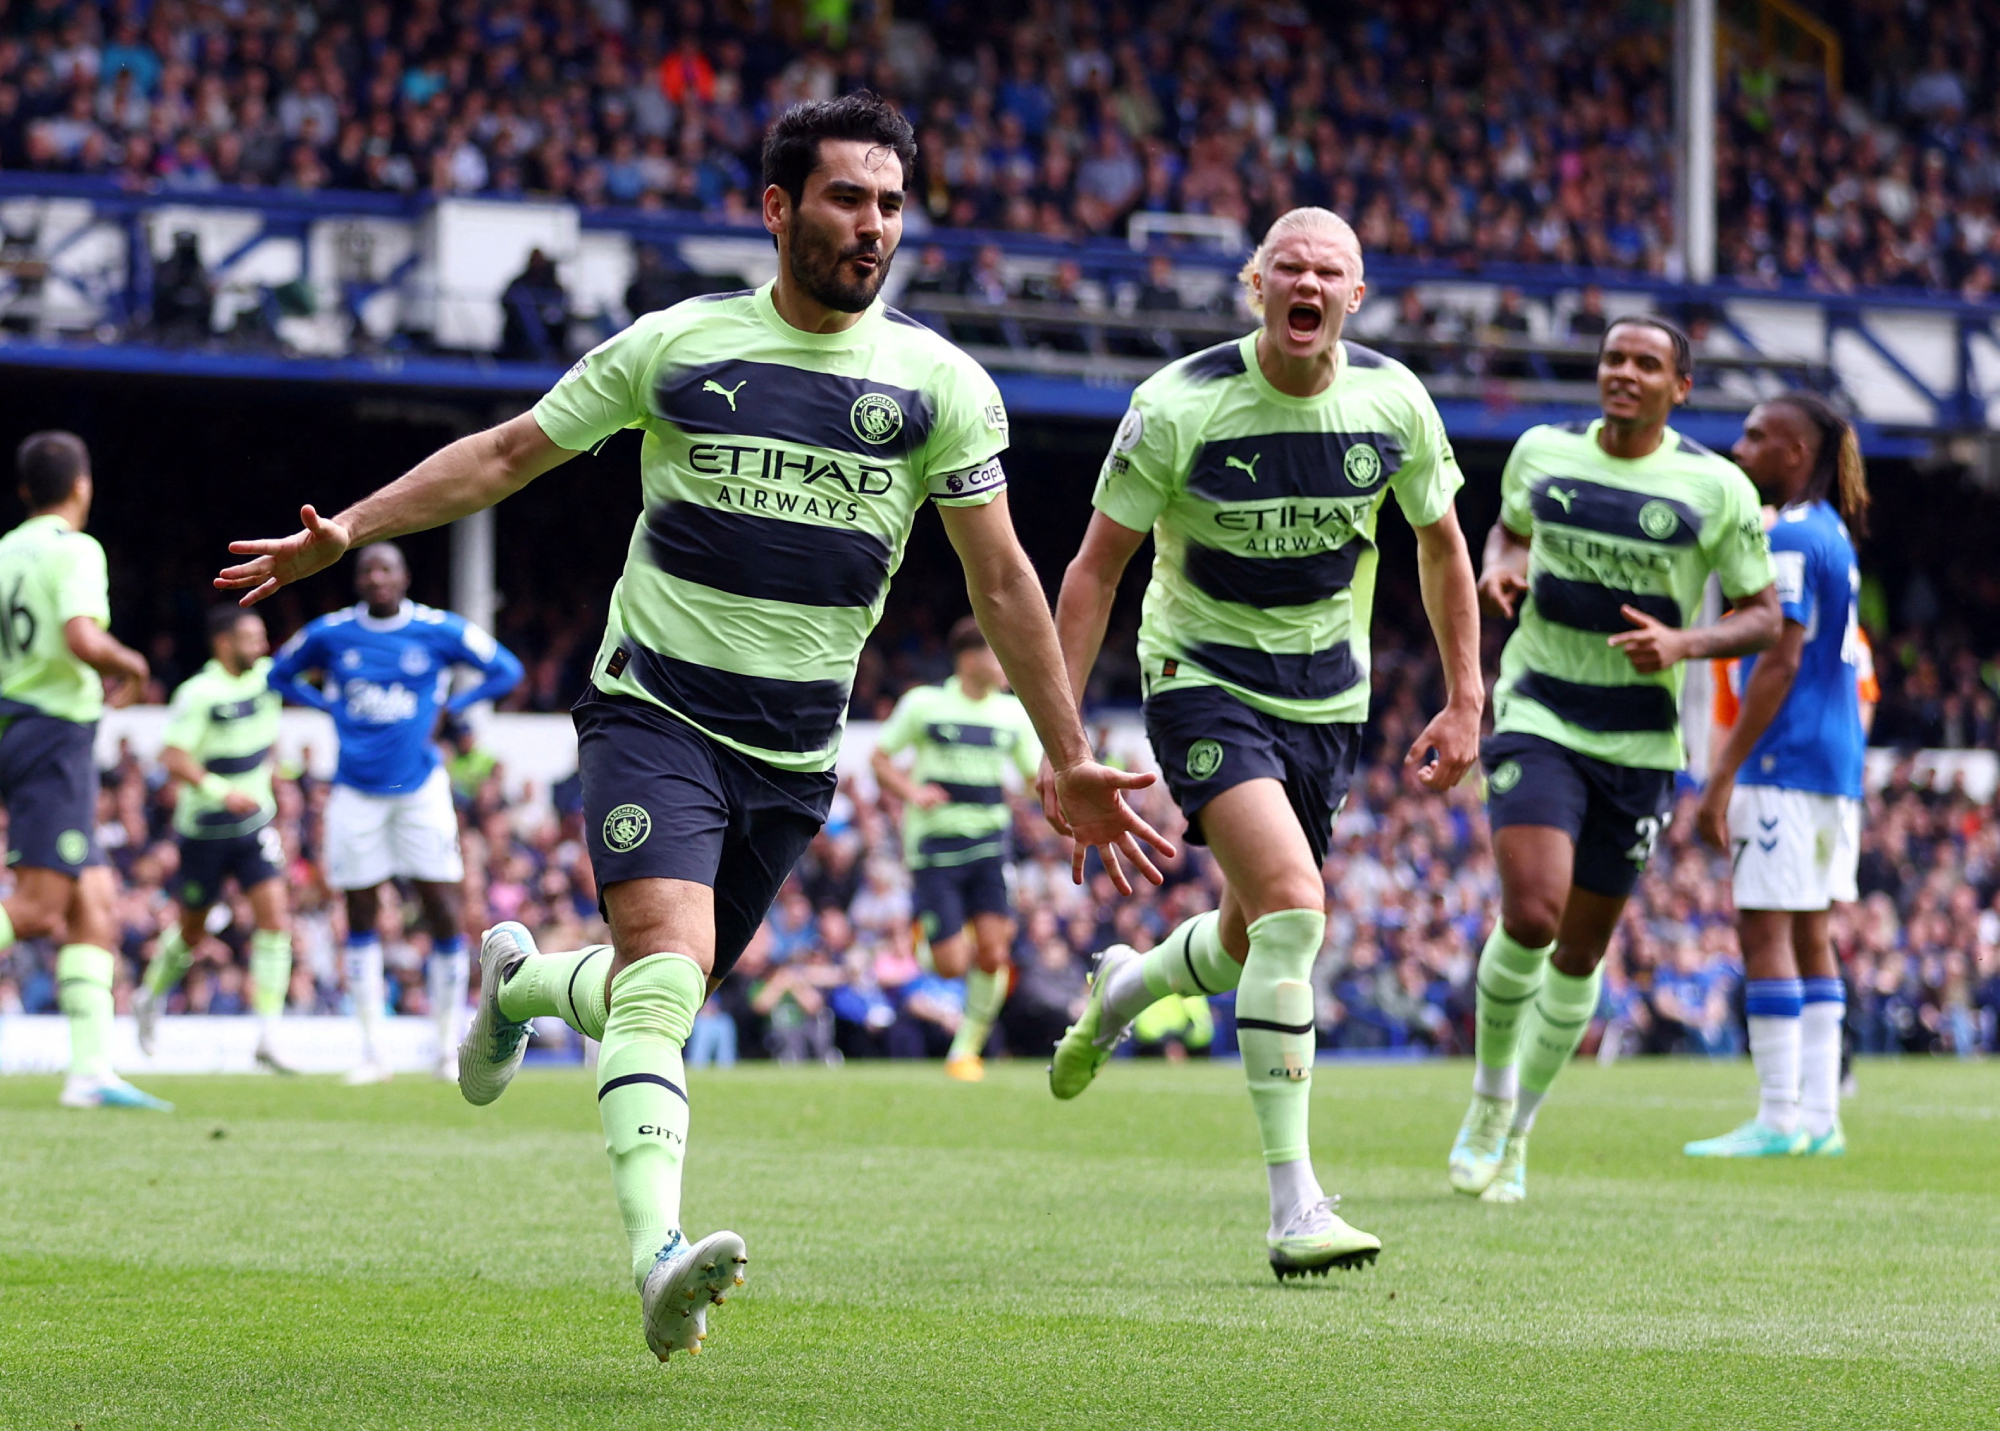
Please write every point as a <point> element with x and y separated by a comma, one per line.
<point>48,781</point>
<point>1207,742</point>
<point>945,896</point>
<point>1613,813</point>
<point>249,859</point>
<point>663,801</point>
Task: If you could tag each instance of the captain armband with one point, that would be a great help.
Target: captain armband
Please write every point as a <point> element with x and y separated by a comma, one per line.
<point>988,476</point>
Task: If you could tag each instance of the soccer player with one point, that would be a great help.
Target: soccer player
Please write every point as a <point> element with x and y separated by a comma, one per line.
<point>1607,535</point>
<point>387,663</point>
<point>222,731</point>
<point>1784,791</point>
<point>1261,467</point>
<point>54,605</point>
<point>791,433</point>
<point>956,821</point>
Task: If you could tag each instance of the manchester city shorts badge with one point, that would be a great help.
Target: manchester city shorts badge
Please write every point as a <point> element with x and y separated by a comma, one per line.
<point>626,828</point>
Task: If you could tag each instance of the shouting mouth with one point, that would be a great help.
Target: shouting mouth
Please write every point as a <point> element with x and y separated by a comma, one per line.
<point>1304,321</point>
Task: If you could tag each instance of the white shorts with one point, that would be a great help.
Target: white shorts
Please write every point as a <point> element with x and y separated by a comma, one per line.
<point>1794,849</point>
<point>372,838</point>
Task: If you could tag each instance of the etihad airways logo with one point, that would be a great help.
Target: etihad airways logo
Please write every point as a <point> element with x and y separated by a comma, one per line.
<point>749,460</point>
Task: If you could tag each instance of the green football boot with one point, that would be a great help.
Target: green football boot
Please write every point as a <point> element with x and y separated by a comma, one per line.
<point>1317,1240</point>
<point>1752,1140</point>
<point>1831,1144</point>
<point>1510,1179</point>
<point>1081,1052</point>
<point>1475,1153</point>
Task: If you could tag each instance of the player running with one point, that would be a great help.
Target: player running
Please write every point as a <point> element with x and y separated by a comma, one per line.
<point>791,434</point>
<point>956,821</point>
<point>386,665</point>
<point>222,733</point>
<point>55,601</point>
<point>1261,467</point>
<point>1607,535</point>
<point>1784,791</point>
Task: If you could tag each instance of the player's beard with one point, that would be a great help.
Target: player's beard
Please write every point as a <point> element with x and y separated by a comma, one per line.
<point>816,260</point>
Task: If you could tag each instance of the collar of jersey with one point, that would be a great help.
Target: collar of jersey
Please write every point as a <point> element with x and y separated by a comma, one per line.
<point>1670,443</point>
<point>846,338</point>
<point>384,623</point>
<point>50,518</point>
<point>1248,344</point>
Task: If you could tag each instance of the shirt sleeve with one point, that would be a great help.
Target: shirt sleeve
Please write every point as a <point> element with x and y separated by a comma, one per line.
<point>604,392</point>
<point>82,588</point>
<point>1516,501</point>
<point>1793,557</point>
<point>304,652</point>
<point>962,459</point>
<point>1429,477</point>
<point>899,731</point>
<point>1738,551</point>
<point>1143,470</point>
<point>185,719</point>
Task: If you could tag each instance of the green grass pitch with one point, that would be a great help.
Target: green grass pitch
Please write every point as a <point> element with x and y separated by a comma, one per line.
<point>926,1254</point>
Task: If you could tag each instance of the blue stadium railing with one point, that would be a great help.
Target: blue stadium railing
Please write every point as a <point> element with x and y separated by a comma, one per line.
<point>1914,367</point>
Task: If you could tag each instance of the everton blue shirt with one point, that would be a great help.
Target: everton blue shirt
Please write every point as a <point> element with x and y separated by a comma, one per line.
<point>383,680</point>
<point>1816,743</point>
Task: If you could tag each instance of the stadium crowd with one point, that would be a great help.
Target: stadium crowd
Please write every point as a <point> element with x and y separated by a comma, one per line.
<point>1472,135</point>
<point>1411,887</point>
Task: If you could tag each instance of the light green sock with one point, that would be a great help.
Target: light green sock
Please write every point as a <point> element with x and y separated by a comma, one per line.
<point>6,928</point>
<point>642,1096</point>
<point>1510,974</point>
<point>270,971</point>
<point>1274,1028</point>
<point>984,994</point>
<point>171,958</point>
<point>1550,1033</point>
<point>1190,962</point>
<point>568,986</point>
<point>83,990</point>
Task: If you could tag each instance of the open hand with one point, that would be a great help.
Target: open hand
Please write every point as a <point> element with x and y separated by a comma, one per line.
<point>279,561</point>
<point>1454,735</point>
<point>1653,647</point>
<point>1088,804</point>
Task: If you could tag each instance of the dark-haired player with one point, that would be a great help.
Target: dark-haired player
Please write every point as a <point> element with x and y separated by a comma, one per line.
<point>966,732</point>
<point>222,732</point>
<point>54,605</point>
<point>1784,790</point>
<point>1608,532</point>
<point>791,433</point>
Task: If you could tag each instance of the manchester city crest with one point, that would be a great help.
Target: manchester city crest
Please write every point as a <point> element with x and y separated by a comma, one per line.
<point>1204,758</point>
<point>1658,521</point>
<point>877,418</point>
<point>626,828</point>
<point>1363,465</point>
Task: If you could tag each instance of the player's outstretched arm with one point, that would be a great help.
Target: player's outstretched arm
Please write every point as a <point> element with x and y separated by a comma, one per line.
<point>1446,748</point>
<point>468,476</point>
<point>1764,695</point>
<point>1007,598</point>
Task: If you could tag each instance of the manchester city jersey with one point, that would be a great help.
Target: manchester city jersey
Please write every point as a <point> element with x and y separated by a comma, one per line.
<point>964,747</point>
<point>50,573</point>
<point>1263,509</point>
<point>1816,742</point>
<point>1604,533</point>
<point>781,470</point>
<point>229,725</point>
<point>384,680</point>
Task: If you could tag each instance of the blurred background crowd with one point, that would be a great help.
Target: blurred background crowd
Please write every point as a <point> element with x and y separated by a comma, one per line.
<point>1474,135</point>
<point>835,973</point>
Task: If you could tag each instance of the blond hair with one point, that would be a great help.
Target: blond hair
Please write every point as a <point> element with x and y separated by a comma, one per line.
<point>1292,221</point>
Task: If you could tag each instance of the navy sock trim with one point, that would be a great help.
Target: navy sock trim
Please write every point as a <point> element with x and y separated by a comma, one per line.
<point>1187,958</point>
<point>1562,1023</point>
<point>1273,1026</point>
<point>626,1078</point>
<point>1493,998</point>
<point>570,992</point>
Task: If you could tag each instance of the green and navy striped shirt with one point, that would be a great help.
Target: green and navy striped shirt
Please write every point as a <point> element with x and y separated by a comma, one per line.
<point>964,748</point>
<point>230,725</point>
<point>781,470</point>
<point>1263,508</point>
<point>1604,533</point>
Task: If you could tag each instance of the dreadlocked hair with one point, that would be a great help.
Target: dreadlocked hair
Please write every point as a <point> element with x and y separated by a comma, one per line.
<point>1838,475</point>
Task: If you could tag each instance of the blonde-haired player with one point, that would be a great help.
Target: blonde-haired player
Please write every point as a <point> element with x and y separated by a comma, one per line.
<point>1260,467</point>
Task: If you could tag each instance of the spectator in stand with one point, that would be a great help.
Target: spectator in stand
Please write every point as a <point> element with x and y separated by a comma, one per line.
<point>535,327</point>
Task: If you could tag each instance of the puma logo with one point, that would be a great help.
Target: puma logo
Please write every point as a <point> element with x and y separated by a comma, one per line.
<point>712,386</point>
<point>1242,466</point>
<point>1556,494</point>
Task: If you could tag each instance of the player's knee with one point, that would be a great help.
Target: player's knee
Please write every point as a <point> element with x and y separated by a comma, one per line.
<point>1531,918</point>
<point>34,914</point>
<point>950,957</point>
<point>1293,889</point>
